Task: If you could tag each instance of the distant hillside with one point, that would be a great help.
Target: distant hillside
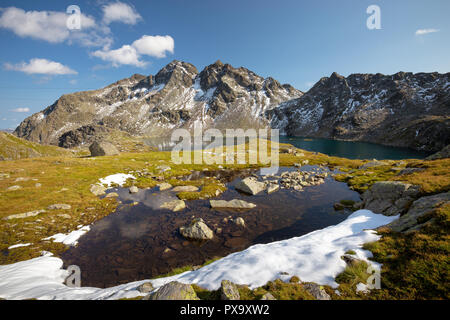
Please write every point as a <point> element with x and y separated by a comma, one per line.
<point>12,148</point>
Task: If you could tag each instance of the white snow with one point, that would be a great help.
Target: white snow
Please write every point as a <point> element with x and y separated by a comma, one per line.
<point>118,178</point>
<point>70,239</point>
<point>313,257</point>
<point>19,245</point>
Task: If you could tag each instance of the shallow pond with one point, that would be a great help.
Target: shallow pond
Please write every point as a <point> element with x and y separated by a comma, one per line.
<point>142,241</point>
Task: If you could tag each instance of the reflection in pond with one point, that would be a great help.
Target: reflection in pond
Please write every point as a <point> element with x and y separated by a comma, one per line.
<point>142,241</point>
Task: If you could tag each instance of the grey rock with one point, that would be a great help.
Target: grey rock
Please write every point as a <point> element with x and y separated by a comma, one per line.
<point>272,188</point>
<point>234,204</point>
<point>185,189</point>
<point>14,188</point>
<point>164,186</point>
<point>419,208</point>
<point>390,197</point>
<point>173,291</point>
<point>316,291</point>
<point>134,189</point>
<point>372,164</point>
<point>145,287</point>
<point>240,222</point>
<point>174,205</point>
<point>197,230</point>
<point>59,206</point>
<point>250,186</point>
<point>229,291</point>
<point>25,215</point>
<point>268,296</point>
<point>97,190</point>
<point>103,148</point>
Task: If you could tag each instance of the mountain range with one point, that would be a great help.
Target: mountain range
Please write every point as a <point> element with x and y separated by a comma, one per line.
<point>404,109</point>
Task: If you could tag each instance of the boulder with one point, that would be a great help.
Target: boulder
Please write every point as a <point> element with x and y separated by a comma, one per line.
<point>268,296</point>
<point>134,189</point>
<point>373,164</point>
<point>98,190</point>
<point>185,189</point>
<point>316,291</point>
<point>272,188</point>
<point>173,291</point>
<point>229,291</point>
<point>103,148</point>
<point>250,186</point>
<point>197,230</point>
<point>419,208</point>
<point>164,186</point>
<point>390,197</point>
<point>174,205</point>
<point>14,188</point>
<point>112,195</point>
<point>145,287</point>
<point>233,204</point>
<point>240,222</point>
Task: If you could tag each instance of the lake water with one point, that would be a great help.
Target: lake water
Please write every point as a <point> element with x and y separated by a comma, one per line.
<point>353,149</point>
<point>141,242</point>
<point>345,149</point>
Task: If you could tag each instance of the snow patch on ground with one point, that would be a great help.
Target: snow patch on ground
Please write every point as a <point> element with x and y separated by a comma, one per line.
<point>118,178</point>
<point>315,257</point>
<point>19,245</point>
<point>70,239</point>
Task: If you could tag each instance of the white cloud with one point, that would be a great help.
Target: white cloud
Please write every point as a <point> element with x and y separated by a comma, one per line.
<point>425,31</point>
<point>126,55</point>
<point>41,66</point>
<point>120,12</point>
<point>22,110</point>
<point>155,46</point>
<point>51,26</point>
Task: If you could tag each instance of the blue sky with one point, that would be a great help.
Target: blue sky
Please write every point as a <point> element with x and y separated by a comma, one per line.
<point>296,42</point>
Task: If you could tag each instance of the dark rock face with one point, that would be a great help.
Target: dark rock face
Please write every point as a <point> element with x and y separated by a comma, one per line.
<point>176,97</point>
<point>82,135</point>
<point>404,109</point>
<point>444,153</point>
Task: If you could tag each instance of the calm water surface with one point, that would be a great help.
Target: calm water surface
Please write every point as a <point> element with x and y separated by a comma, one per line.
<point>142,241</point>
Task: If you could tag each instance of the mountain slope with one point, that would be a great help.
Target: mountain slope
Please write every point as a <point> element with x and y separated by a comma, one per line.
<point>176,97</point>
<point>13,148</point>
<point>404,109</point>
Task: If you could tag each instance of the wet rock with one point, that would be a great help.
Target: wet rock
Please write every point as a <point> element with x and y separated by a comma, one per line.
<point>240,222</point>
<point>164,186</point>
<point>268,296</point>
<point>250,186</point>
<point>173,291</point>
<point>145,287</point>
<point>316,291</point>
<point>410,221</point>
<point>134,189</point>
<point>272,188</point>
<point>98,190</point>
<point>25,215</point>
<point>112,195</point>
<point>229,291</point>
<point>234,204</point>
<point>103,148</point>
<point>390,197</point>
<point>174,205</point>
<point>197,230</point>
<point>185,189</point>
<point>59,206</point>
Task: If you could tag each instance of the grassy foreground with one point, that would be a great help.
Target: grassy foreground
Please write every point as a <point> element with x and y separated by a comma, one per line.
<point>415,266</point>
